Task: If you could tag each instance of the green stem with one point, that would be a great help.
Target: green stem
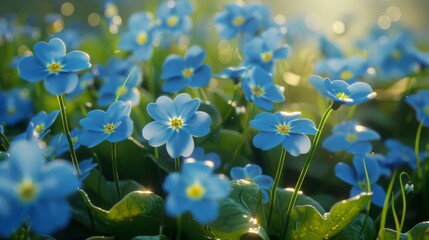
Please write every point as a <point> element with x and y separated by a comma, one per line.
<point>404,200</point>
<point>351,112</point>
<point>416,149</point>
<point>5,141</point>
<point>118,94</point>
<point>67,133</point>
<point>395,218</point>
<point>179,228</point>
<point>115,171</point>
<point>368,189</point>
<point>156,152</point>
<point>305,169</point>
<point>177,164</point>
<point>275,184</point>
<point>383,215</point>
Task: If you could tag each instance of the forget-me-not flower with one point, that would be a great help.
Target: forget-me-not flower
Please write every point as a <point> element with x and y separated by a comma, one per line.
<point>265,49</point>
<point>58,144</point>
<point>140,36</point>
<point>357,178</point>
<point>190,71</point>
<point>253,173</point>
<point>341,92</point>
<point>173,16</point>
<point>258,87</point>
<point>283,128</point>
<point>51,64</point>
<point>195,189</point>
<point>347,69</point>
<point>39,125</point>
<point>34,190</point>
<point>210,158</point>
<point>400,154</point>
<point>15,106</point>
<point>233,73</point>
<point>85,167</point>
<point>114,125</point>
<point>236,19</point>
<point>351,137</point>
<point>176,122</point>
<point>420,103</point>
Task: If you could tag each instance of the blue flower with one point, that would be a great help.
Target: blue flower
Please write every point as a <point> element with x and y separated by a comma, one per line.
<point>283,128</point>
<point>234,73</point>
<point>357,178</point>
<point>140,36</point>
<point>114,125</point>
<point>85,167</point>
<point>15,106</point>
<point>179,73</point>
<point>51,63</point>
<point>236,19</point>
<point>329,49</point>
<point>71,38</point>
<point>253,173</point>
<point>39,125</point>
<point>195,189</point>
<point>176,121</point>
<point>341,92</point>
<point>58,144</point>
<point>399,155</point>
<point>420,103</point>
<point>264,50</point>
<point>34,190</point>
<point>259,88</point>
<point>347,69</point>
<point>173,18</point>
<point>351,137</point>
<point>210,158</point>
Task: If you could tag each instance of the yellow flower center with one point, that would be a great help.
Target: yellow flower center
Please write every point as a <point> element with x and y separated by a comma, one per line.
<point>195,191</point>
<point>176,123</point>
<point>238,21</point>
<point>172,21</point>
<point>39,128</point>
<point>141,38</point>
<point>249,179</point>
<point>54,67</point>
<point>342,95</point>
<point>283,129</point>
<point>351,137</point>
<point>121,91</point>
<point>396,54</point>
<point>363,185</point>
<point>266,56</point>
<point>187,72</point>
<point>346,75</point>
<point>10,110</point>
<point>27,190</point>
<point>258,91</point>
<point>74,140</point>
<point>109,128</point>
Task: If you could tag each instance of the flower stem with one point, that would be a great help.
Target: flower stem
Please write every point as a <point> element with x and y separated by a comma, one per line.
<point>416,149</point>
<point>179,228</point>
<point>5,140</point>
<point>177,164</point>
<point>275,184</point>
<point>115,171</point>
<point>382,217</point>
<point>67,133</point>
<point>121,89</point>
<point>404,200</point>
<point>305,169</point>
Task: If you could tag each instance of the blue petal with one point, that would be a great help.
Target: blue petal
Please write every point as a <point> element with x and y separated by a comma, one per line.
<point>282,52</point>
<point>274,93</point>
<point>318,83</point>
<point>216,187</point>
<point>94,121</point>
<point>252,170</point>
<point>199,124</point>
<point>162,109</point>
<point>143,53</point>
<point>50,119</point>
<point>76,61</point>
<point>139,21</point>
<point>180,144</point>
<point>173,67</point>
<point>372,168</point>
<point>366,134</point>
<point>185,106</point>
<point>60,83</point>
<point>237,173</point>
<point>157,133</point>
<point>47,53</point>
<point>123,131</point>
<point>355,191</point>
<point>272,38</point>
<point>361,92</point>
<point>176,206</point>
<point>196,170</point>
<point>195,56</point>
<point>30,69</point>
<point>286,117</point>
<point>117,111</point>
<point>265,196</point>
<point>92,138</point>
<point>58,180</point>
<point>127,41</point>
<point>174,84</point>
<point>173,182</point>
<point>25,164</point>
<point>205,211</point>
<point>359,148</point>
<point>305,126</point>
<point>335,143</point>
<point>296,144</point>
<point>344,172</point>
<point>50,216</point>
<point>264,181</point>
<point>264,122</point>
<point>266,140</point>
<point>260,77</point>
<point>263,103</point>
<point>11,216</point>
<point>201,77</point>
<point>198,154</point>
<point>379,195</point>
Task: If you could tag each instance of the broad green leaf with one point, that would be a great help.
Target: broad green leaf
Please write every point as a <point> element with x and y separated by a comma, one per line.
<point>138,213</point>
<point>307,223</point>
<point>283,196</point>
<point>239,215</point>
<point>353,230</point>
<point>418,232</point>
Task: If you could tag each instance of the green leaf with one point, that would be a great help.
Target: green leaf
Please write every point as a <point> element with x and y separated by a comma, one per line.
<point>307,222</point>
<point>240,216</point>
<point>418,232</point>
<point>283,196</point>
<point>138,213</point>
<point>353,231</point>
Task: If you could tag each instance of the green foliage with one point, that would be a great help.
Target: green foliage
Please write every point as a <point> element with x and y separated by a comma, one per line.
<point>418,232</point>
<point>353,231</point>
